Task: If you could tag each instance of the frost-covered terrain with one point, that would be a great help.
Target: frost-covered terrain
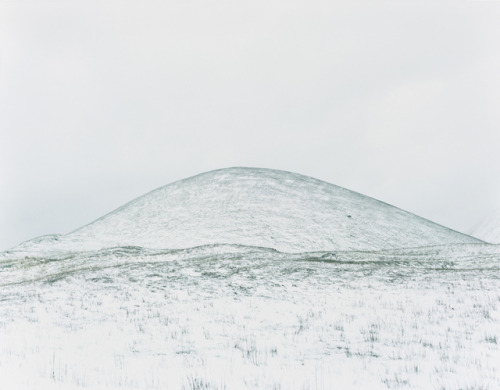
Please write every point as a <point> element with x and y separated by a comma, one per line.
<point>87,311</point>
<point>489,229</point>
<point>231,317</point>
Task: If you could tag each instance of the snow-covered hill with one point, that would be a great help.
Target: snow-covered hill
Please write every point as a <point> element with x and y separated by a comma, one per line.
<point>110,306</point>
<point>489,229</point>
<point>254,207</point>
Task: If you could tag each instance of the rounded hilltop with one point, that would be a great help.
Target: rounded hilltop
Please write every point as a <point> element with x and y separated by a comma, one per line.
<point>258,207</point>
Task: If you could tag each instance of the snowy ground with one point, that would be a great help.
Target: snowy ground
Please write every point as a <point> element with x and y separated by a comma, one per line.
<point>232,317</point>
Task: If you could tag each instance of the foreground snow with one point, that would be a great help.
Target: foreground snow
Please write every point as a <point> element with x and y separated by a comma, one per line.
<point>234,317</point>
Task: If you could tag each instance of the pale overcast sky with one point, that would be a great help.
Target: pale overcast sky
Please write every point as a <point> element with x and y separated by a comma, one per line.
<point>103,101</point>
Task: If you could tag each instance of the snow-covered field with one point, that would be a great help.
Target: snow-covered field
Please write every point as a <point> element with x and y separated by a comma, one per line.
<point>234,317</point>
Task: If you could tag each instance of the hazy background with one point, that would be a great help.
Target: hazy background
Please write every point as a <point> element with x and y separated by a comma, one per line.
<point>102,101</point>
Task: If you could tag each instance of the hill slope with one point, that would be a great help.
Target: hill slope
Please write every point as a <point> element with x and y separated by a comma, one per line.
<point>257,207</point>
<point>489,229</point>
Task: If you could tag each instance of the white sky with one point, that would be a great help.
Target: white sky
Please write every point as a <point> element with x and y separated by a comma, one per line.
<point>103,101</point>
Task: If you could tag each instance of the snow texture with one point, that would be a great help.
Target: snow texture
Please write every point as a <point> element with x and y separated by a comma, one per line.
<point>233,317</point>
